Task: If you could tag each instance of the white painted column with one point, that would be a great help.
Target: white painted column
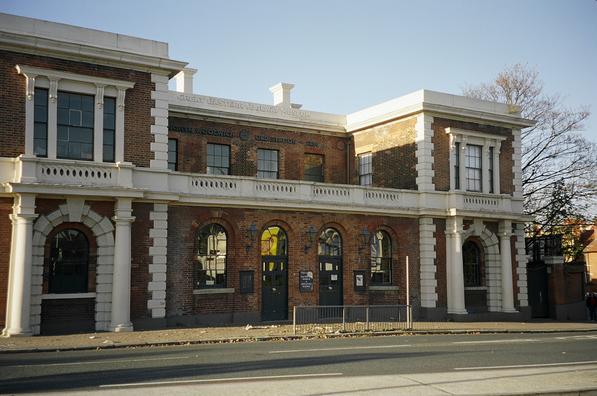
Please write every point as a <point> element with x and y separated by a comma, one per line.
<point>52,117</point>
<point>98,125</point>
<point>506,259</point>
<point>462,165</point>
<point>496,168</point>
<point>121,284</point>
<point>424,153</point>
<point>18,306</point>
<point>159,255</point>
<point>521,266</point>
<point>159,129</point>
<point>454,267</point>
<point>119,132</point>
<point>485,169</point>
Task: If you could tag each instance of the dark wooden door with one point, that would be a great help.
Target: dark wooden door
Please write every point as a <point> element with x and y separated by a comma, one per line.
<point>330,280</point>
<point>274,288</point>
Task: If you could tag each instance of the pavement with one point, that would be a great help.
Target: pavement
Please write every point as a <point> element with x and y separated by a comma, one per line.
<point>259,332</point>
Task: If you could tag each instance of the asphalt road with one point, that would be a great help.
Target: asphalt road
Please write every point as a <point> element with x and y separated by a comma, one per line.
<point>359,365</point>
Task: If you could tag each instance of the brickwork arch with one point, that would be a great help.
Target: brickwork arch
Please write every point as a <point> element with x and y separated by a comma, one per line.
<point>74,211</point>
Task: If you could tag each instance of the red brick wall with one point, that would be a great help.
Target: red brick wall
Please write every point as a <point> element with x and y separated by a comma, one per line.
<point>185,221</point>
<point>138,103</point>
<point>393,148</point>
<point>441,149</point>
<point>194,135</point>
<point>5,241</point>
<point>140,260</point>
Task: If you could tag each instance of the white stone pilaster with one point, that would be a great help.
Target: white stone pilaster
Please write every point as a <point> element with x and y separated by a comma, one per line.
<point>454,267</point>
<point>424,153</point>
<point>158,267</point>
<point>29,112</point>
<point>496,168</point>
<point>506,267</point>
<point>18,305</point>
<point>121,282</point>
<point>521,267</point>
<point>53,117</point>
<point>485,168</point>
<point>98,126</point>
<point>428,267</point>
<point>462,165</point>
<point>119,121</point>
<point>159,128</point>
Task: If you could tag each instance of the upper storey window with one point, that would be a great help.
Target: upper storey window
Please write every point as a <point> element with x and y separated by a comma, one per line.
<point>474,161</point>
<point>267,164</point>
<point>365,169</point>
<point>218,159</point>
<point>73,116</point>
<point>75,126</point>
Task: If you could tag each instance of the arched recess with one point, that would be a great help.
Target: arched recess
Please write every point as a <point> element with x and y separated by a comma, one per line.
<point>491,257</point>
<point>75,211</point>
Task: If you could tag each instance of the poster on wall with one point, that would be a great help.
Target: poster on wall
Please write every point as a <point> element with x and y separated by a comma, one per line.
<point>306,281</point>
<point>360,281</point>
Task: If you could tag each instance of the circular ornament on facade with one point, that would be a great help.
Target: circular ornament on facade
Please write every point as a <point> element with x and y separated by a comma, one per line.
<point>243,135</point>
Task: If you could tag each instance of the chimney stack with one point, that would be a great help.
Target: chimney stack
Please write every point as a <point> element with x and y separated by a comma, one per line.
<point>184,80</point>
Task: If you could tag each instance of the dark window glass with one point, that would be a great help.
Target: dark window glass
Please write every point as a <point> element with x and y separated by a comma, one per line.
<point>314,167</point>
<point>40,122</point>
<point>330,243</point>
<point>471,259</point>
<point>218,159</point>
<point>381,259</point>
<point>211,257</point>
<point>491,170</point>
<point>109,128</point>
<point>473,167</point>
<point>267,164</point>
<point>274,242</point>
<point>365,169</point>
<point>173,154</point>
<point>75,126</point>
<point>457,165</point>
<point>69,261</point>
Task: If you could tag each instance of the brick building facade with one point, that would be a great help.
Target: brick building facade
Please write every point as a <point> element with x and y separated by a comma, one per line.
<point>125,203</point>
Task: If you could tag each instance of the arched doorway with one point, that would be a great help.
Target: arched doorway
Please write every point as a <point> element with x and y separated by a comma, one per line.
<point>66,308</point>
<point>330,267</point>
<point>475,291</point>
<point>274,267</point>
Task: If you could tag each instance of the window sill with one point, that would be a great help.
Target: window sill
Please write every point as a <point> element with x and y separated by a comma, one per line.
<point>66,296</point>
<point>383,288</point>
<point>476,288</point>
<point>223,290</point>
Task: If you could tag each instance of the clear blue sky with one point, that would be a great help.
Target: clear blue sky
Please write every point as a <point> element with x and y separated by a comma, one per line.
<point>347,55</point>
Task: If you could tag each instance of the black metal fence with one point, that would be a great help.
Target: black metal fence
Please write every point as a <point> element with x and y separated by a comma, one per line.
<point>322,319</point>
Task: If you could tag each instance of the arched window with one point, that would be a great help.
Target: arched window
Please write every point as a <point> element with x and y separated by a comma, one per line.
<point>211,257</point>
<point>330,243</point>
<point>69,262</point>
<point>381,258</point>
<point>274,242</point>
<point>471,260</point>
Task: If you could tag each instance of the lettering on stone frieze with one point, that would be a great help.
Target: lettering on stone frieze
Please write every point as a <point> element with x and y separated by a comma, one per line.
<point>247,106</point>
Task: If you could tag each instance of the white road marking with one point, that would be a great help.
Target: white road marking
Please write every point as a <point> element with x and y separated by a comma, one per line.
<point>199,381</point>
<point>577,337</point>
<point>103,361</point>
<point>340,348</point>
<point>516,340</point>
<point>527,365</point>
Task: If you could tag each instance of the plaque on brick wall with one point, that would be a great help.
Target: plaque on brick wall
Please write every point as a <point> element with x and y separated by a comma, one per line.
<point>360,281</point>
<point>306,281</point>
<point>246,282</point>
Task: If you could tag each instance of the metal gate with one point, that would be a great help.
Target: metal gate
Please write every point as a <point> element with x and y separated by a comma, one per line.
<point>538,289</point>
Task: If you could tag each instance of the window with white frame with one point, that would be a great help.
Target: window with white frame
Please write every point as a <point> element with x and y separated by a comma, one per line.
<point>474,160</point>
<point>474,170</point>
<point>73,116</point>
<point>267,164</point>
<point>365,169</point>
